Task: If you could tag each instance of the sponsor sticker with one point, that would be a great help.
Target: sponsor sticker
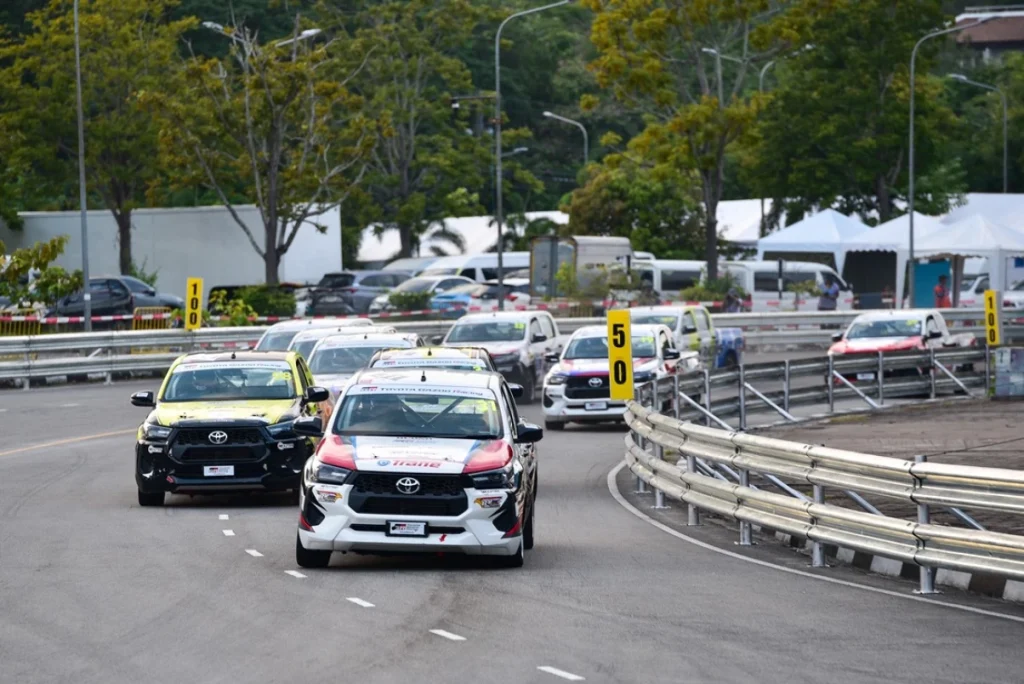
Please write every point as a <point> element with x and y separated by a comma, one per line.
<point>424,391</point>
<point>233,365</point>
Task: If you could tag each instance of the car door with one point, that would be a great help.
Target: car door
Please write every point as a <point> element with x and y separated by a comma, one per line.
<point>554,344</point>
<point>539,345</point>
<point>706,336</point>
<point>527,453</point>
<point>666,343</point>
<point>121,300</point>
<point>691,335</point>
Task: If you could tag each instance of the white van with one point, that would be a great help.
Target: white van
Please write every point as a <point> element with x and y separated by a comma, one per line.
<point>670,276</point>
<point>760,279</point>
<point>479,267</point>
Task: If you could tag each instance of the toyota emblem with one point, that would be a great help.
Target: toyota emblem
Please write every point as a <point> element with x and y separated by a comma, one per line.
<point>408,485</point>
<point>595,382</point>
<point>218,437</point>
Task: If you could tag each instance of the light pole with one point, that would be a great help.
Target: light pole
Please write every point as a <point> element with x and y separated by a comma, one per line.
<point>577,124</point>
<point>497,140</point>
<point>1006,140</point>
<point>910,160</point>
<point>86,295</point>
<point>305,35</point>
<point>718,70</point>
<point>760,78</point>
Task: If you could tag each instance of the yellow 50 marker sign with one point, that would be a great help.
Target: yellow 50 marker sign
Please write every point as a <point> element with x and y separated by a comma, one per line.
<point>620,355</point>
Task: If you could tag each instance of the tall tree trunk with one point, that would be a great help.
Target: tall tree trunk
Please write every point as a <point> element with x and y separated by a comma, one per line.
<point>124,240</point>
<point>711,194</point>
<point>405,240</point>
<point>884,198</point>
<point>271,255</point>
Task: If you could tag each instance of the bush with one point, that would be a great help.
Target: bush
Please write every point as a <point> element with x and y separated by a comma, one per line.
<point>410,301</point>
<point>140,272</point>
<point>267,300</point>
<point>713,290</point>
<point>235,312</point>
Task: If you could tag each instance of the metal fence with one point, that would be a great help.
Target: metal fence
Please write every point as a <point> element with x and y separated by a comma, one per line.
<point>756,480</point>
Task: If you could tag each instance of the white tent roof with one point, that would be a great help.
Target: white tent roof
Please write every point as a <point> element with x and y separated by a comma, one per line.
<point>894,235</point>
<point>1007,209</point>
<point>827,231</point>
<point>972,236</point>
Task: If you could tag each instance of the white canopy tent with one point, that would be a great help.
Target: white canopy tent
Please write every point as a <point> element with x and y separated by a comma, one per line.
<point>894,236</point>
<point>974,236</point>
<point>827,231</point>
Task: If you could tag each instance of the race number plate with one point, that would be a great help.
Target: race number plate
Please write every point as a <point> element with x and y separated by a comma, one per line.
<point>407,529</point>
<point>596,405</point>
<point>865,376</point>
<point>219,471</point>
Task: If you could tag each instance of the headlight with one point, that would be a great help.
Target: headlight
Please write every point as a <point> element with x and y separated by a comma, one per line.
<point>281,430</point>
<point>557,379</point>
<point>155,432</point>
<point>646,376</point>
<point>329,474</point>
<point>495,479</point>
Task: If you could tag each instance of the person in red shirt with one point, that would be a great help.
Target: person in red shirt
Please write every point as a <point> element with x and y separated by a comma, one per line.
<point>942,299</point>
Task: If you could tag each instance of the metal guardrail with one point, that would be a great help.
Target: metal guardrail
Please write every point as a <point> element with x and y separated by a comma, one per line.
<point>715,466</point>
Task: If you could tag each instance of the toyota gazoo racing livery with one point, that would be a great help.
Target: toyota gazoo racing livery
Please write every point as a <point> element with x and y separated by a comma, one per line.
<point>304,341</point>
<point>280,335</point>
<point>577,390</point>
<point>899,330</point>
<point>335,359</point>
<point>452,358</point>
<point>223,422</point>
<point>519,343</point>
<point>422,460</point>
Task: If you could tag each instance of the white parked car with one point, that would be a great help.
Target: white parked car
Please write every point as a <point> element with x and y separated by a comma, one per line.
<point>420,460</point>
<point>577,389</point>
<point>280,335</point>
<point>519,343</point>
<point>430,284</point>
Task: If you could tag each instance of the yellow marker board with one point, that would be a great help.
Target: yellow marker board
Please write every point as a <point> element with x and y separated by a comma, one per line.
<point>194,304</point>
<point>620,355</point>
<point>993,318</point>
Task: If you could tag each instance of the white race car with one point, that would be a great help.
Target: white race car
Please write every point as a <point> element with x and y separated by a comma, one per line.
<point>337,358</point>
<point>280,335</point>
<point>577,390</point>
<point>420,460</point>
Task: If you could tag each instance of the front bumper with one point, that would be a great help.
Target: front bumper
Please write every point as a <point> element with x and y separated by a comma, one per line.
<point>561,409</point>
<point>329,521</point>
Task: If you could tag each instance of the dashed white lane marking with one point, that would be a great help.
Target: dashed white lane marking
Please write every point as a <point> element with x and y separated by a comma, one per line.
<point>3,410</point>
<point>561,673</point>
<point>228,533</point>
<point>222,516</point>
<point>70,405</point>
<point>447,635</point>
<point>614,489</point>
<point>360,602</point>
<point>295,573</point>
<point>254,553</point>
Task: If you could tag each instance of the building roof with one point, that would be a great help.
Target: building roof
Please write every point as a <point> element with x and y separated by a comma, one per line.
<point>1003,29</point>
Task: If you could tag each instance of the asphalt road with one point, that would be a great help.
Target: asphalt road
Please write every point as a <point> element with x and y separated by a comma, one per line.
<point>95,589</point>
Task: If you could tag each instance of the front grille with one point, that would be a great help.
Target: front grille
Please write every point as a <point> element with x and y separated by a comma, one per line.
<point>578,387</point>
<point>230,454</point>
<point>409,505</point>
<point>430,485</point>
<point>201,436</point>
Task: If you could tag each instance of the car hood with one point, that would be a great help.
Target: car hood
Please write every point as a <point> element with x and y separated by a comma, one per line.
<point>407,454</point>
<point>598,366</point>
<point>333,382</point>
<point>876,344</point>
<point>493,348</point>
<point>267,411</point>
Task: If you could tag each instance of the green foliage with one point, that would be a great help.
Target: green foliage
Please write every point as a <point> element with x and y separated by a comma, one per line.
<point>566,284</point>
<point>593,284</point>
<point>410,301</point>
<point>140,272</point>
<point>267,300</point>
<point>710,290</point>
<point>49,283</point>
<point>236,311</point>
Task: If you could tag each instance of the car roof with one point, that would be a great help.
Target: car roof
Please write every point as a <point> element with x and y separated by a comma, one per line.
<point>508,281</point>
<point>367,340</point>
<point>894,314</point>
<point>602,330</point>
<point>328,331</point>
<point>663,309</point>
<point>225,356</point>
<point>497,316</point>
<point>310,323</point>
<point>435,377</point>
<point>439,352</point>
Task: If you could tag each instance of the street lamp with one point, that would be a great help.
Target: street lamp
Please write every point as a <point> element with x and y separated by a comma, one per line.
<point>577,124</point>
<point>760,78</point>
<point>497,139</point>
<point>86,295</point>
<point>718,69</point>
<point>1006,140</point>
<point>910,160</point>
<point>305,35</point>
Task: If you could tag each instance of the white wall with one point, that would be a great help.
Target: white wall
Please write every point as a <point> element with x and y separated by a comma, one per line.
<point>180,243</point>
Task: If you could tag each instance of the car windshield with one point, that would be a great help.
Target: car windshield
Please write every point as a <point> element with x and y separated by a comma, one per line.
<point>240,380</point>
<point>416,285</point>
<point>334,280</point>
<point>491,331</point>
<point>886,328</point>
<point>671,320</point>
<point>429,412</point>
<point>597,347</point>
<point>276,341</point>
<point>471,289</point>
<point>337,360</point>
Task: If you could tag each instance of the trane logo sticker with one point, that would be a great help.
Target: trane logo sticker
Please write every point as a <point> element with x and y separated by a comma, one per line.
<point>406,463</point>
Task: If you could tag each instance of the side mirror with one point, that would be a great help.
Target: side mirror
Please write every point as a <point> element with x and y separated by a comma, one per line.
<point>143,399</point>
<point>314,395</point>
<point>516,390</point>
<point>308,426</point>
<point>552,357</point>
<point>539,337</point>
<point>689,329</point>
<point>437,339</point>
<point>935,335</point>
<point>529,433</point>
<point>671,354</point>
<point>836,337</point>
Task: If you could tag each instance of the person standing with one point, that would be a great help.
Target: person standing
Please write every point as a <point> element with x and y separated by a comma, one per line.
<point>942,294</point>
<point>732,302</point>
<point>829,299</point>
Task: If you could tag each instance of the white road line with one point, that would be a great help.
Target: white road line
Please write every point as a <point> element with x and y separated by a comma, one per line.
<point>447,635</point>
<point>360,602</point>
<point>70,405</point>
<point>3,410</point>
<point>222,516</point>
<point>228,533</point>
<point>254,553</point>
<point>295,573</point>
<point>561,673</point>
<point>613,488</point>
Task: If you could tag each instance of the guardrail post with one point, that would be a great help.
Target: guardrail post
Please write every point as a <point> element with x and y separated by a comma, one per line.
<point>659,496</point>
<point>931,369</point>
<point>707,397</point>
<point>988,370</point>
<point>28,367</point>
<point>881,383</point>
<point>924,517</point>
<point>817,548</point>
<point>830,382</point>
<point>692,512</point>
<point>743,398</point>
<point>677,403</point>
<point>110,360</point>
<point>785,385</point>
<point>746,529</point>
<point>641,486</point>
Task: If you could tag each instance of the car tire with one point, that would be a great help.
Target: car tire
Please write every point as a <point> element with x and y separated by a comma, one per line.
<point>554,425</point>
<point>310,558</point>
<point>529,390</point>
<point>148,499</point>
<point>528,530</point>
<point>516,560</point>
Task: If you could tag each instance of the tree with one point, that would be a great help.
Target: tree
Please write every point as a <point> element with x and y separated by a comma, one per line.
<point>278,120</point>
<point>127,47</point>
<point>835,131</point>
<point>653,56</point>
<point>28,275</point>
